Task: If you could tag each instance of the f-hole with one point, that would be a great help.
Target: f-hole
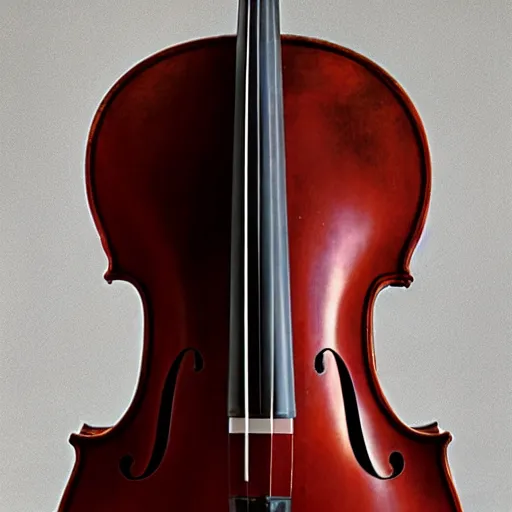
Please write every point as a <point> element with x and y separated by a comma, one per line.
<point>355,431</point>
<point>164,419</point>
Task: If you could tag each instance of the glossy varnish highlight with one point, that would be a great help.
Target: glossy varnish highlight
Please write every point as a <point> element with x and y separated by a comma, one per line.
<point>159,183</point>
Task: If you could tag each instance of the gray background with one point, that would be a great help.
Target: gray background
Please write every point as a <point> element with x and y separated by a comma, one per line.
<point>71,345</point>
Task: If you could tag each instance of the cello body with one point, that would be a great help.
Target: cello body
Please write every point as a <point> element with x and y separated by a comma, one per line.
<point>159,171</point>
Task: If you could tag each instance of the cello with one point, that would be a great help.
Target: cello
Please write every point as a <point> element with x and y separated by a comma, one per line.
<point>258,191</point>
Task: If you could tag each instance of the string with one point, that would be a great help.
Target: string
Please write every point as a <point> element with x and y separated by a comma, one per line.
<point>273,180</point>
<point>246,256</point>
<point>275,214</point>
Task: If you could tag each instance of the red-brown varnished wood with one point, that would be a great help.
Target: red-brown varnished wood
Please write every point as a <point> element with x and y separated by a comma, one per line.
<point>159,170</point>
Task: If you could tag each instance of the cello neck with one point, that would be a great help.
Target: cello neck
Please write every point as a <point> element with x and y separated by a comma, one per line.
<point>261,382</point>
